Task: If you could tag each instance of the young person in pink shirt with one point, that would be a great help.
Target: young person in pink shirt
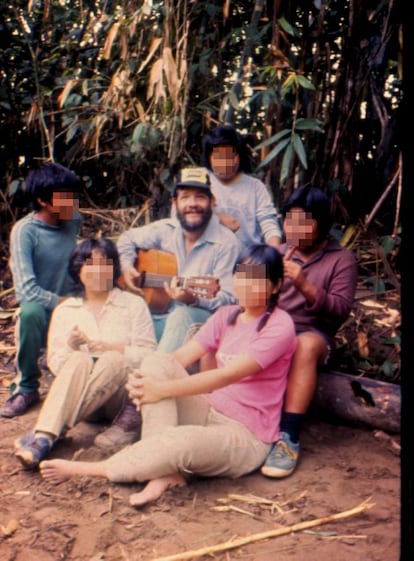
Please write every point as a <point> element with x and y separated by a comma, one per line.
<point>219,422</point>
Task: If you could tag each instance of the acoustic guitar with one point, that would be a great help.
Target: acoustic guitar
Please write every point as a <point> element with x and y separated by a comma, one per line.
<point>157,267</point>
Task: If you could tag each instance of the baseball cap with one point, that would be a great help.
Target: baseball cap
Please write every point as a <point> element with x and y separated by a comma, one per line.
<point>193,177</point>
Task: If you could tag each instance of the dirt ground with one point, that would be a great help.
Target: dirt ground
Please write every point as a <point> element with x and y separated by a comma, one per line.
<point>341,466</point>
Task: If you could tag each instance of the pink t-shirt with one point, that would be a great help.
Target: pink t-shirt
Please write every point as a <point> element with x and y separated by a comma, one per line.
<point>256,401</point>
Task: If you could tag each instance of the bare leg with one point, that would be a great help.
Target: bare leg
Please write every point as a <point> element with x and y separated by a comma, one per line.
<point>310,352</point>
<point>155,488</point>
<point>56,471</point>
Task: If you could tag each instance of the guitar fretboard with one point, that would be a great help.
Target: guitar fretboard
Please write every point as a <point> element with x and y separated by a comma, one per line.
<point>153,280</point>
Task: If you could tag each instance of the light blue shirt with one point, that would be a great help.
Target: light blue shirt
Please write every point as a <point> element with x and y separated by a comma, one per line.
<point>247,199</point>
<point>39,258</point>
<point>215,253</point>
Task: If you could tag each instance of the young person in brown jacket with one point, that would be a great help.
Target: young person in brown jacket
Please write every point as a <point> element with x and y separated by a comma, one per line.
<point>318,291</point>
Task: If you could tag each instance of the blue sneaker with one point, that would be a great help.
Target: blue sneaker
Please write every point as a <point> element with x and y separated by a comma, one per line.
<point>31,450</point>
<point>282,458</point>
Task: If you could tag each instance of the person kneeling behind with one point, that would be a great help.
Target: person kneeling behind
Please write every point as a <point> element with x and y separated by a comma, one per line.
<point>40,245</point>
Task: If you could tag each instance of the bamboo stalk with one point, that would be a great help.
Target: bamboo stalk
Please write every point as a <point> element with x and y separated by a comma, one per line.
<point>7,349</point>
<point>224,546</point>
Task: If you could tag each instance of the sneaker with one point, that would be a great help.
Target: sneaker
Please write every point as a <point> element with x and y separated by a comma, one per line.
<point>125,429</point>
<point>18,404</point>
<point>282,458</point>
<point>31,450</point>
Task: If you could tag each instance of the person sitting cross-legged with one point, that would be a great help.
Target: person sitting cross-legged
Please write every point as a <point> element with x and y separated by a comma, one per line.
<point>95,340</point>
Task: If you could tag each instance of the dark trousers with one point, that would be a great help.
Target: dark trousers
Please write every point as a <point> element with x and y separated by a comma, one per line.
<point>31,333</point>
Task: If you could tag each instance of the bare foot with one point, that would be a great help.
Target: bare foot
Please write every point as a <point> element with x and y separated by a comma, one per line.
<point>57,471</point>
<point>155,488</point>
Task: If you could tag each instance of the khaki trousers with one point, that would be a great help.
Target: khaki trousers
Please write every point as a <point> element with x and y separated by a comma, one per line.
<point>84,389</point>
<point>185,435</point>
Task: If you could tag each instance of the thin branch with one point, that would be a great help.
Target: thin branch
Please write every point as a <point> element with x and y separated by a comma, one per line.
<point>7,205</point>
<point>266,535</point>
<point>390,185</point>
<point>398,203</point>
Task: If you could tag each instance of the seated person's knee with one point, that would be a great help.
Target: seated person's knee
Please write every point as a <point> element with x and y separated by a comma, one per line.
<point>311,346</point>
<point>32,312</point>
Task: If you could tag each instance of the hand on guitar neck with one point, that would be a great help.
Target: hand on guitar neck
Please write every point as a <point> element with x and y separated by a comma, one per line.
<point>154,277</point>
<point>131,280</point>
<point>188,290</point>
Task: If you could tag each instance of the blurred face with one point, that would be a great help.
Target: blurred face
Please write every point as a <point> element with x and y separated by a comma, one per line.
<point>224,162</point>
<point>97,273</point>
<point>251,286</point>
<point>63,205</point>
<point>194,209</point>
<point>301,230</point>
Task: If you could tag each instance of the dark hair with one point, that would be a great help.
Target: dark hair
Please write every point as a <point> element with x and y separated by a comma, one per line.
<point>47,179</point>
<point>262,254</point>
<point>83,250</point>
<point>315,201</point>
<point>226,135</point>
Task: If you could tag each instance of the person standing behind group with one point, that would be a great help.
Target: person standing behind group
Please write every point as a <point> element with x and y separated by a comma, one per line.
<point>318,292</point>
<point>95,340</point>
<point>40,245</point>
<point>214,423</point>
<point>242,201</point>
<point>201,246</point>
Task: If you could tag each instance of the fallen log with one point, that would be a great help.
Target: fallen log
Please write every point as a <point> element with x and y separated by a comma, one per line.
<point>364,400</point>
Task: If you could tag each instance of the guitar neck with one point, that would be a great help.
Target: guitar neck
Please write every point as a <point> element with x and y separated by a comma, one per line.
<point>155,280</point>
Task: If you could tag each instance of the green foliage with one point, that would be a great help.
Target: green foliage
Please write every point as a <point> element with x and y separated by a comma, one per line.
<point>123,91</point>
<point>389,368</point>
<point>289,146</point>
<point>389,243</point>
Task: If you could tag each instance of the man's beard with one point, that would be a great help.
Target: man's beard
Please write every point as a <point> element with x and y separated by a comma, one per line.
<point>205,216</point>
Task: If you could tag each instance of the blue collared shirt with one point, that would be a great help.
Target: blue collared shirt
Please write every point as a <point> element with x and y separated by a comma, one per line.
<point>215,253</point>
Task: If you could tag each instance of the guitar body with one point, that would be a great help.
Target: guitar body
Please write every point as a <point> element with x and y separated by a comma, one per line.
<point>159,264</point>
<point>157,267</point>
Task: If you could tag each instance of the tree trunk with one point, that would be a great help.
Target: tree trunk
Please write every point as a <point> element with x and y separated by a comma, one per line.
<point>365,400</point>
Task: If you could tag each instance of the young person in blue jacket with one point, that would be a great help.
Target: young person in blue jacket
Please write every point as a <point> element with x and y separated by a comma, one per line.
<point>40,245</point>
